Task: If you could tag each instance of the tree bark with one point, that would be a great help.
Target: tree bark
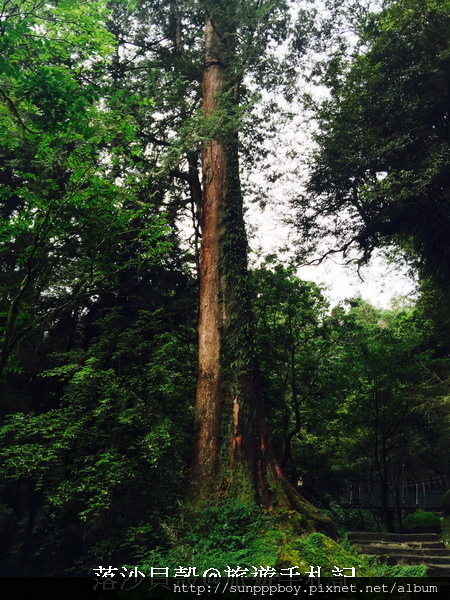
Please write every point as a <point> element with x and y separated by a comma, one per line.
<point>233,457</point>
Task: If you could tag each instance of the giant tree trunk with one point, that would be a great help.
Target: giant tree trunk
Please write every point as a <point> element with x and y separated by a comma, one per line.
<point>233,456</point>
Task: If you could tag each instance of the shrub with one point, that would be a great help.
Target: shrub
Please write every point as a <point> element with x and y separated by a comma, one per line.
<point>421,519</point>
<point>352,519</point>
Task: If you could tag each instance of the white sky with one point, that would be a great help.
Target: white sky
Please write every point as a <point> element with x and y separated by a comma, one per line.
<point>378,283</point>
<point>381,281</point>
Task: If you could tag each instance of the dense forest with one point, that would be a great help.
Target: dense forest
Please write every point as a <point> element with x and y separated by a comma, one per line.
<point>162,402</point>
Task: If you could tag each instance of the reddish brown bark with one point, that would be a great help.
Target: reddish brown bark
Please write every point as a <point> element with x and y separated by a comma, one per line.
<point>233,455</point>
<point>211,318</point>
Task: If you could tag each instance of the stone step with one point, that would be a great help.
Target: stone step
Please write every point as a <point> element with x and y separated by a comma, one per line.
<point>406,545</point>
<point>392,550</point>
<point>438,570</point>
<point>392,537</point>
<point>407,559</point>
<point>426,545</point>
<point>405,549</point>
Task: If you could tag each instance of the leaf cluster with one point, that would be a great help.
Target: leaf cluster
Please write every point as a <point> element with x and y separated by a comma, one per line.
<point>380,172</point>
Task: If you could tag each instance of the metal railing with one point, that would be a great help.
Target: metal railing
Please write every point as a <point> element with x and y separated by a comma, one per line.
<point>425,493</point>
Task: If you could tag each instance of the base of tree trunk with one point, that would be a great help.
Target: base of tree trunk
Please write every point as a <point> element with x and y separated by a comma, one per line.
<point>247,471</point>
<point>278,499</point>
<point>298,514</point>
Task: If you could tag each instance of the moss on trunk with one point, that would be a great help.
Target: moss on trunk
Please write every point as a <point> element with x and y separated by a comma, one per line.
<point>233,457</point>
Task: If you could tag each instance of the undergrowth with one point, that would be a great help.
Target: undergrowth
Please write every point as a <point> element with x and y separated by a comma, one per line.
<point>421,519</point>
<point>229,534</point>
<point>235,533</point>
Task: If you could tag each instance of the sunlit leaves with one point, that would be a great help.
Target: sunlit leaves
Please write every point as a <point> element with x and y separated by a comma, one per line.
<point>70,168</point>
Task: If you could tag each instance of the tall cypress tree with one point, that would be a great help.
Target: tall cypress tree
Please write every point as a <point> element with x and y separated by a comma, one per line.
<point>233,456</point>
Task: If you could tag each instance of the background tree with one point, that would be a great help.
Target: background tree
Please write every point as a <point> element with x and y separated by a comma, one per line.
<point>89,272</point>
<point>384,366</point>
<point>293,312</point>
<point>63,208</point>
<point>380,173</point>
<point>367,382</point>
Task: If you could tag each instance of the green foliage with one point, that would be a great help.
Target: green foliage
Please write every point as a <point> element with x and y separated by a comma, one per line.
<point>379,364</point>
<point>292,312</point>
<point>117,431</point>
<point>366,371</point>
<point>228,525</point>
<point>229,534</point>
<point>235,533</point>
<point>381,169</point>
<point>69,223</point>
<point>351,519</point>
<point>421,519</point>
<point>318,550</point>
<point>383,570</point>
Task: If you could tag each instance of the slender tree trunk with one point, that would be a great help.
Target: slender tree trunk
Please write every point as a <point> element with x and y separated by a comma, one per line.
<point>232,456</point>
<point>211,317</point>
<point>381,466</point>
<point>25,558</point>
<point>385,491</point>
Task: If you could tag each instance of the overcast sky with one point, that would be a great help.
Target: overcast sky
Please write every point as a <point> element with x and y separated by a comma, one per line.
<point>381,281</point>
